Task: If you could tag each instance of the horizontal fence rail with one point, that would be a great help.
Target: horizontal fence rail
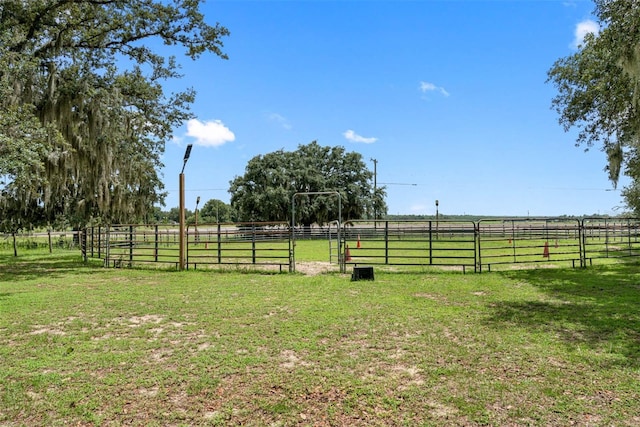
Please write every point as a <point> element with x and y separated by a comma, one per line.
<point>485,245</point>
<point>256,244</point>
<point>411,243</point>
<point>529,241</point>
<point>604,238</point>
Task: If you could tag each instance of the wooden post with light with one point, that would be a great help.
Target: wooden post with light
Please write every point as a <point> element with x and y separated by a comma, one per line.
<point>181,256</point>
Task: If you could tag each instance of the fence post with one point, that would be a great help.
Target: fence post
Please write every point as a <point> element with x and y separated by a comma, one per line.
<point>582,241</point>
<point>430,243</point>
<point>513,239</point>
<point>83,243</point>
<point>155,243</point>
<point>219,245</point>
<point>253,242</point>
<point>107,249</point>
<point>186,247</point>
<point>477,253</point>
<point>386,242</point>
<point>130,245</point>
<point>629,235</point>
<point>290,233</point>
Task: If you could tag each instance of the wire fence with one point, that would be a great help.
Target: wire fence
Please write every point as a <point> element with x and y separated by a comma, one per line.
<point>45,240</point>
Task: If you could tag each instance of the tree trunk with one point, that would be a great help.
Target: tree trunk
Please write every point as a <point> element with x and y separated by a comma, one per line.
<point>15,245</point>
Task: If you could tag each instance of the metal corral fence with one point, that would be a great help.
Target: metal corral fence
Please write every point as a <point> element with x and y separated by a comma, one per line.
<point>255,244</point>
<point>611,238</point>
<point>492,243</point>
<point>238,244</point>
<point>411,243</point>
<point>485,245</point>
<point>529,241</point>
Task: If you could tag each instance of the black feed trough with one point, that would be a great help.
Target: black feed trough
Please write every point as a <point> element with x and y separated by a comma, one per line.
<point>362,273</point>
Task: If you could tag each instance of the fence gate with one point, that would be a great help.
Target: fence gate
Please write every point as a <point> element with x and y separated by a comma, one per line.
<point>334,243</point>
<point>292,264</point>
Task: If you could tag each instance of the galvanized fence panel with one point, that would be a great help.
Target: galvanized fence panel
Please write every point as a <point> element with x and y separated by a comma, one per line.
<point>483,245</point>
<point>607,239</point>
<point>258,244</point>
<point>129,244</point>
<point>411,243</point>
<point>551,241</point>
<point>255,244</point>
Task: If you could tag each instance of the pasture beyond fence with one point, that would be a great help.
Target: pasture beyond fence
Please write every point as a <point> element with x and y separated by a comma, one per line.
<point>477,246</point>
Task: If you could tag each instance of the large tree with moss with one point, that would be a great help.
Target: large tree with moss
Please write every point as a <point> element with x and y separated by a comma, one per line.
<point>599,92</point>
<point>265,191</point>
<point>83,114</point>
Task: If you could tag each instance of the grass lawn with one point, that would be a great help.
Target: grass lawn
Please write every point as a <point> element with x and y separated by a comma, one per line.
<point>84,345</point>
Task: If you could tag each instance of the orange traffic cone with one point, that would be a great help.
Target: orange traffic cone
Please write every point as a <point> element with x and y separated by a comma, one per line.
<point>358,245</point>
<point>347,254</point>
<point>545,253</point>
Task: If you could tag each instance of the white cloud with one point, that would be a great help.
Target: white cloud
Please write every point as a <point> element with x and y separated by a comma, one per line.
<point>582,29</point>
<point>430,87</point>
<point>281,120</point>
<point>209,134</point>
<point>354,137</point>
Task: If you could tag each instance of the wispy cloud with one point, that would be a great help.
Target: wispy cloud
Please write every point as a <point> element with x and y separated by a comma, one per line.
<point>211,133</point>
<point>354,137</point>
<point>430,87</point>
<point>582,29</point>
<point>280,120</point>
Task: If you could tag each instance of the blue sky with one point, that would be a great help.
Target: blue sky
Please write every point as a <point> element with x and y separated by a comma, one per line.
<point>449,96</point>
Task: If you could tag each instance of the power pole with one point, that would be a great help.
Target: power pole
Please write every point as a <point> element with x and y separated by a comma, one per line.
<point>375,187</point>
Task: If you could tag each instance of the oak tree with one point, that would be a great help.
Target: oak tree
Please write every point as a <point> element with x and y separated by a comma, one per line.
<point>599,91</point>
<point>265,191</point>
<point>83,113</point>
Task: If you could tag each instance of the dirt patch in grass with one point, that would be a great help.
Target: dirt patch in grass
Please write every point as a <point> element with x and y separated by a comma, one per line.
<point>50,331</point>
<point>313,268</point>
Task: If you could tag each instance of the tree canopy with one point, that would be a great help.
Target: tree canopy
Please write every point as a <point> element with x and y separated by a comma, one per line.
<point>83,114</point>
<point>215,210</point>
<point>265,191</point>
<point>599,92</point>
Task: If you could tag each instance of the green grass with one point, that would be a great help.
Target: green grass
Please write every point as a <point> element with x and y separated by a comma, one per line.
<point>83,345</point>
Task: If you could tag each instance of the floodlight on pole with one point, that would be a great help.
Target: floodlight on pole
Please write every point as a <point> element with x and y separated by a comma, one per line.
<point>181,255</point>
<point>187,153</point>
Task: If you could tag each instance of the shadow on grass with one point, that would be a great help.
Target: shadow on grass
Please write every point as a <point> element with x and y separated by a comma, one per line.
<point>598,307</point>
<point>39,265</point>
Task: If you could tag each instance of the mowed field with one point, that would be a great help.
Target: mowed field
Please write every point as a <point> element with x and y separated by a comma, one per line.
<point>85,345</point>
